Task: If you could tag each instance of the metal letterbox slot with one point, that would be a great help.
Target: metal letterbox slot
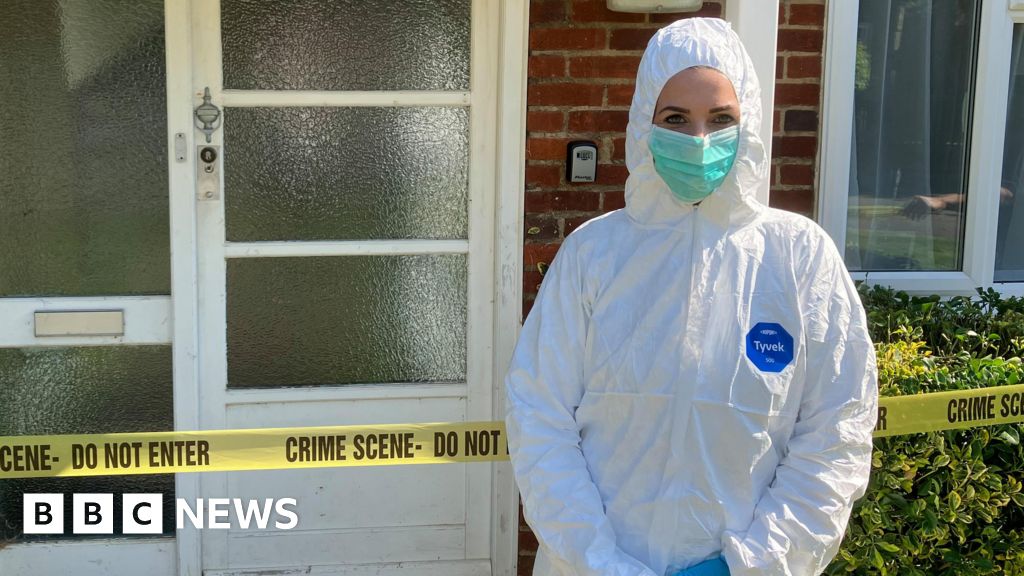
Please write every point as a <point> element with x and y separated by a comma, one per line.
<point>80,323</point>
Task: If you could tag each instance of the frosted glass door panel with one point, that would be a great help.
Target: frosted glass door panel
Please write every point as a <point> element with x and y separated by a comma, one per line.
<point>346,44</point>
<point>346,173</point>
<point>83,161</point>
<point>91,390</point>
<point>344,320</point>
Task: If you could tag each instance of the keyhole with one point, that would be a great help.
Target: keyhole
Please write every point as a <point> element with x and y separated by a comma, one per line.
<point>208,155</point>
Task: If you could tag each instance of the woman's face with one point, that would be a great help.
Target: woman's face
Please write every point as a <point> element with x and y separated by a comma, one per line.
<point>697,101</point>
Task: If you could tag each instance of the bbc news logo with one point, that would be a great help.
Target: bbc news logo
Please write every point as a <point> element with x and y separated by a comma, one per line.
<point>144,513</point>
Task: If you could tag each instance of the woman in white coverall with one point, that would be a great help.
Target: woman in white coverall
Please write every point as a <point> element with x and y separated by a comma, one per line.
<point>694,390</point>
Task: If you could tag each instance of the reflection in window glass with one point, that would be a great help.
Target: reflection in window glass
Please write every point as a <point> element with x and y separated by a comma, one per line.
<point>912,120</point>
<point>1010,238</point>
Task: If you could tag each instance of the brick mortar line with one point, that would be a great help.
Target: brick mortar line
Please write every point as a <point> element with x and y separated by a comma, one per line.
<point>564,212</point>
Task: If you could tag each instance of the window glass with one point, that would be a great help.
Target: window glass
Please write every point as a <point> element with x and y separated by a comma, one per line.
<point>83,152</point>
<point>346,173</point>
<point>346,320</point>
<point>346,44</point>
<point>1010,237</point>
<point>912,121</point>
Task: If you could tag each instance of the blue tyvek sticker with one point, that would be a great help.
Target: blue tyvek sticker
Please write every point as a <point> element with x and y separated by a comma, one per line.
<point>769,347</point>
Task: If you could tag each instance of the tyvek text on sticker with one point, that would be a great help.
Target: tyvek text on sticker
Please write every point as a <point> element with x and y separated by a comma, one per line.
<point>769,347</point>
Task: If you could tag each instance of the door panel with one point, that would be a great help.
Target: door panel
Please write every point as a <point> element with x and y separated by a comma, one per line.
<point>84,226</point>
<point>91,558</point>
<point>147,320</point>
<point>370,514</point>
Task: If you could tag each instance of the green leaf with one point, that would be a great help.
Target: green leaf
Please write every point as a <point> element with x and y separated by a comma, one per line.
<point>889,547</point>
<point>876,559</point>
<point>954,500</point>
<point>1010,436</point>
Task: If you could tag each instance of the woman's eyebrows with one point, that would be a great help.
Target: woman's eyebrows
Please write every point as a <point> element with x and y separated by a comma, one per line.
<point>714,110</point>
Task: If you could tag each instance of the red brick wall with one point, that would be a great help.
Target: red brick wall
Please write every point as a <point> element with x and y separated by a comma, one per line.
<point>583,61</point>
<point>797,96</point>
<point>582,67</point>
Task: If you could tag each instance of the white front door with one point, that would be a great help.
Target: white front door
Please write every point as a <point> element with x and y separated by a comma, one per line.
<point>345,267</point>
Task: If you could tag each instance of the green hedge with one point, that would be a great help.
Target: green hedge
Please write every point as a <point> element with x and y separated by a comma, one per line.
<point>942,503</point>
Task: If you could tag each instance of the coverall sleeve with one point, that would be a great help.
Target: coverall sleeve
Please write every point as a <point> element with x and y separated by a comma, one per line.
<point>799,522</point>
<point>544,386</point>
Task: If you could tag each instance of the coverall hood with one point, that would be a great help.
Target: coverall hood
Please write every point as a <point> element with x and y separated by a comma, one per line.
<point>694,42</point>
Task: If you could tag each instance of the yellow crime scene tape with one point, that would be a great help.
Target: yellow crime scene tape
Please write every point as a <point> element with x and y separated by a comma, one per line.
<point>398,444</point>
<point>250,449</point>
<point>952,410</point>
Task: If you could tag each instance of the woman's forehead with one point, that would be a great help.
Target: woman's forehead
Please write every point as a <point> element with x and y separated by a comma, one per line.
<point>698,85</point>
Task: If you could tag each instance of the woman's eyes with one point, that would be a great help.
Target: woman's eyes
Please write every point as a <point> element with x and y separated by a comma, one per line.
<point>680,119</point>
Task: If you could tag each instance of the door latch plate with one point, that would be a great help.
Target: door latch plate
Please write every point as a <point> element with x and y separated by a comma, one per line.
<point>208,164</point>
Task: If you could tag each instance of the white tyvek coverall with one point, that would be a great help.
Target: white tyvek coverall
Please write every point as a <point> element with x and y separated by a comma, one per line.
<point>643,439</point>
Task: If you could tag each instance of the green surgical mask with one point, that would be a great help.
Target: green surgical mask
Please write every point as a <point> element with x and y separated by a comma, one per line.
<point>693,167</point>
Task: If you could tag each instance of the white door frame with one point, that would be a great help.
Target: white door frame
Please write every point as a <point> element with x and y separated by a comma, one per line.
<point>508,262</point>
<point>184,262</point>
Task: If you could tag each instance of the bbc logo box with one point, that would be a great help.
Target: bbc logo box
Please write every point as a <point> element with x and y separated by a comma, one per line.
<point>93,514</point>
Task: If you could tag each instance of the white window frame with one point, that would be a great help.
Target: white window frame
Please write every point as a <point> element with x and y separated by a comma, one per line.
<point>757,24</point>
<point>985,161</point>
